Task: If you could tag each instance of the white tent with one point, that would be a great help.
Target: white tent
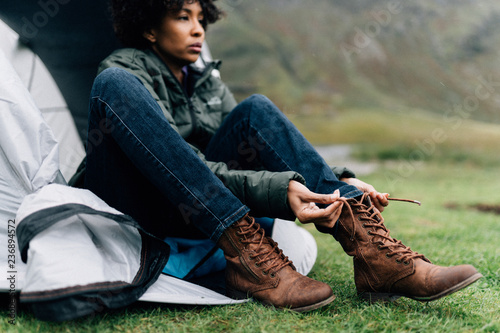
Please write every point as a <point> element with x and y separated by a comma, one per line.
<point>47,97</point>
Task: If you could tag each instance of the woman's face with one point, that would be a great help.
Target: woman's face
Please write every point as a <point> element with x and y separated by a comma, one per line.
<point>179,38</point>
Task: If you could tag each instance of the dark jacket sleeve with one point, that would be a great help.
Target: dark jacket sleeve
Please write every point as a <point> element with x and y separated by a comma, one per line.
<point>264,192</point>
<point>342,172</point>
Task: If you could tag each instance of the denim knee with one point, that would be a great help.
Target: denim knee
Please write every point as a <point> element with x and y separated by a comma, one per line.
<point>113,78</point>
<point>113,73</point>
<point>259,106</point>
<point>259,102</point>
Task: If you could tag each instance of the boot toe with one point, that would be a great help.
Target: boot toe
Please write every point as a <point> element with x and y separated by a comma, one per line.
<point>309,294</point>
<point>431,282</point>
<point>447,280</point>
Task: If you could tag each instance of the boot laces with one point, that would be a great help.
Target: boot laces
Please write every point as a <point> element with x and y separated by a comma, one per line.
<point>271,254</point>
<point>371,217</point>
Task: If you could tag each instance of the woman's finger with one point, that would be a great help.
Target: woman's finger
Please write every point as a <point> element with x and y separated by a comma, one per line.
<point>325,216</point>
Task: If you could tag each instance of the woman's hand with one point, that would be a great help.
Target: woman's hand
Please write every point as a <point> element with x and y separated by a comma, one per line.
<point>303,204</point>
<point>378,199</point>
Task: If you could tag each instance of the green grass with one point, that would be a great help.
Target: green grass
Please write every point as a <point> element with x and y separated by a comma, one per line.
<point>447,236</point>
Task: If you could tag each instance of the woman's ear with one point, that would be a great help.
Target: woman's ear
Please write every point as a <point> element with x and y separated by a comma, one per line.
<point>150,36</point>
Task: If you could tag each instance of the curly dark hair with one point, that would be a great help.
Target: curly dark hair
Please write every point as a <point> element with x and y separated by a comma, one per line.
<point>131,18</point>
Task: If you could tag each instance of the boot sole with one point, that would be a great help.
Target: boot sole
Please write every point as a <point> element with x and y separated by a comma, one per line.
<point>375,297</point>
<point>236,294</point>
<point>314,306</point>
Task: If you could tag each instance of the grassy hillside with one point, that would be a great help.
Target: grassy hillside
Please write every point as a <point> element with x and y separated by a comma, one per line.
<point>322,56</point>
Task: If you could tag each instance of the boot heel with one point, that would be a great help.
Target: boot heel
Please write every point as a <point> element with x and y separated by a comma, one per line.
<point>378,297</point>
<point>236,294</point>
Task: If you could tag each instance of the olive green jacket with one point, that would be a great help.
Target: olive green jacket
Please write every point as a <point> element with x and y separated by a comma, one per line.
<point>198,117</point>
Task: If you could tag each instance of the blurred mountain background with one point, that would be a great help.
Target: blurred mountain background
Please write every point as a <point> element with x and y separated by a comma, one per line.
<point>320,57</point>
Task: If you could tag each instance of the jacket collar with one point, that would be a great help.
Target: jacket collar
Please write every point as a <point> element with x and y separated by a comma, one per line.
<point>203,73</point>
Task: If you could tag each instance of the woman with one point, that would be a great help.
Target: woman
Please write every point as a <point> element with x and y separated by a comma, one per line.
<point>169,146</point>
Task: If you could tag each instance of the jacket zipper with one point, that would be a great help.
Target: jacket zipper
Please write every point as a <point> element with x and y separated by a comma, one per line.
<point>190,103</point>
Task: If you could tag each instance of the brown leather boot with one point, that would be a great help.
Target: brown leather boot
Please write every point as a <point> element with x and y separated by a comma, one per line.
<point>257,268</point>
<point>384,268</point>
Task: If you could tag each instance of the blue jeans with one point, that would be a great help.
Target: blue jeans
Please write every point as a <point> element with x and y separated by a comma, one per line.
<point>140,165</point>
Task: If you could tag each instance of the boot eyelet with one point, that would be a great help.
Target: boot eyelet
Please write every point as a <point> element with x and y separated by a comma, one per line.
<point>272,275</point>
<point>257,265</point>
<point>363,225</point>
<point>387,256</point>
<point>398,261</point>
<point>379,247</point>
<point>369,232</point>
<point>406,263</point>
<point>264,272</point>
<point>241,240</point>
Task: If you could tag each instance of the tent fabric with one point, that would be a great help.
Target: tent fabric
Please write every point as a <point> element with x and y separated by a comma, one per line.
<point>71,38</point>
<point>82,255</point>
<point>28,155</point>
<point>47,97</point>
